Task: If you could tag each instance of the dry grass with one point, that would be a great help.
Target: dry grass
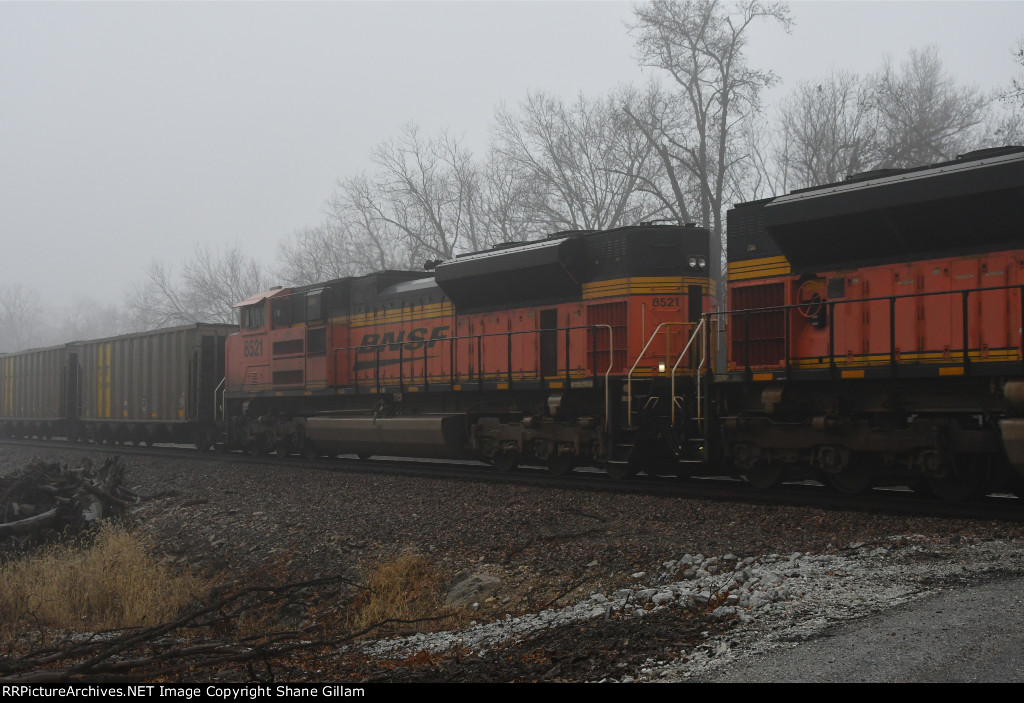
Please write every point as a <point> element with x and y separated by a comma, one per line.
<point>409,587</point>
<point>108,582</point>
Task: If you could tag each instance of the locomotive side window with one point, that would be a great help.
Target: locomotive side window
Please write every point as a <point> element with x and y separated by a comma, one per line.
<point>314,305</point>
<point>253,317</point>
<point>280,313</point>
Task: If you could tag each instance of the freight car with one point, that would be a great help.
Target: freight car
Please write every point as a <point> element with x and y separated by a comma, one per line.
<point>874,330</point>
<point>149,387</point>
<point>570,350</point>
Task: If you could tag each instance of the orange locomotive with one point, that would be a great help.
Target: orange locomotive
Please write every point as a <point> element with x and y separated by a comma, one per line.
<point>555,352</point>
<point>874,331</point>
<point>873,336</point>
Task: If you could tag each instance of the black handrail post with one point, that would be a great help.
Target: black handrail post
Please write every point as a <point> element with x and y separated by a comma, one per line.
<point>508,357</point>
<point>832,338</point>
<point>593,354</point>
<point>967,351</point>
<point>892,334</point>
<point>788,341</point>
<point>376,364</point>
<point>538,369</point>
<point>480,361</point>
<point>401,368</point>
<point>567,381</point>
<point>746,343</point>
<point>426,375</point>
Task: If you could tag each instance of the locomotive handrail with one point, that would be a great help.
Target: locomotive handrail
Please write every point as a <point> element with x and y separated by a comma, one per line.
<point>607,373</point>
<point>376,349</point>
<point>220,407</point>
<point>891,300</point>
<point>640,356</point>
<point>696,331</point>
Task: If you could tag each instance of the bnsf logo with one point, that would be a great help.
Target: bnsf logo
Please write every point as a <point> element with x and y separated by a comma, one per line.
<point>397,340</point>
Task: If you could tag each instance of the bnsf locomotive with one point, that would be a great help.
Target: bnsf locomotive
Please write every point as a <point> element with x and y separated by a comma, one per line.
<point>875,330</point>
<point>552,352</point>
<point>873,335</point>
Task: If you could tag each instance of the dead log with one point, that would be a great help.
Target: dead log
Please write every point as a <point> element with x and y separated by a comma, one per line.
<point>29,524</point>
<point>45,500</point>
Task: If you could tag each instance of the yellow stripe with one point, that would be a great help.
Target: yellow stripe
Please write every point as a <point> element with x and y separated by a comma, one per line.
<point>907,358</point>
<point>853,374</point>
<point>951,371</point>
<point>425,312</point>
<point>758,268</point>
<point>650,285</point>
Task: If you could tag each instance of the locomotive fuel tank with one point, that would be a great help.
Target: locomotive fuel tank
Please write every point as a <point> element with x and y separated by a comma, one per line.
<point>441,436</point>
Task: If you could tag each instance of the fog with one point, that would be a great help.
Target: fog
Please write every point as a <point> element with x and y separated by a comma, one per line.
<point>133,131</point>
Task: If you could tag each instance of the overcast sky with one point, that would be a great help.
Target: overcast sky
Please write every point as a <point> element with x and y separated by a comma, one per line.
<point>130,131</point>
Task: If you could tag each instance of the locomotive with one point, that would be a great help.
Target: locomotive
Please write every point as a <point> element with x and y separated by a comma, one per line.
<point>520,354</point>
<point>875,328</point>
<point>872,336</point>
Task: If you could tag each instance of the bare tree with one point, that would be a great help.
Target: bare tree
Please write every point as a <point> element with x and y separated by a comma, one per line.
<point>86,318</point>
<point>922,115</point>
<point>21,319</point>
<point>507,203</point>
<point>578,166</point>
<point>1009,126</point>
<point>371,243</point>
<point>332,249</point>
<point>700,44</point>
<point>827,131</point>
<point>761,178</point>
<point>425,192</point>
<point>209,286</point>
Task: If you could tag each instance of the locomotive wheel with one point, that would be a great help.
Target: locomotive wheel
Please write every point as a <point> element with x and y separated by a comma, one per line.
<point>310,451</point>
<point>561,464</point>
<point>967,479</point>
<point>856,478</point>
<point>201,440</point>
<point>506,461</point>
<point>283,449</point>
<point>619,470</point>
<point>764,476</point>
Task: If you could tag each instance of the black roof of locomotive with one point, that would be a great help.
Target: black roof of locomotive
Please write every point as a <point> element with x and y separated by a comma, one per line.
<point>544,271</point>
<point>555,268</point>
<point>973,203</point>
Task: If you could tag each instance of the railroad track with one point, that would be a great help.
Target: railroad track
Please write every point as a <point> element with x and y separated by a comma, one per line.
<point>889,500</point>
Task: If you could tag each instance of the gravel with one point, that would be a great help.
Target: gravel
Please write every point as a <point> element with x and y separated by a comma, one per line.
<point>581,585</point>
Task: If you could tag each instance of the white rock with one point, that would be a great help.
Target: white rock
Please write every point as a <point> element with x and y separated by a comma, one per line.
<point>663,598</point>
